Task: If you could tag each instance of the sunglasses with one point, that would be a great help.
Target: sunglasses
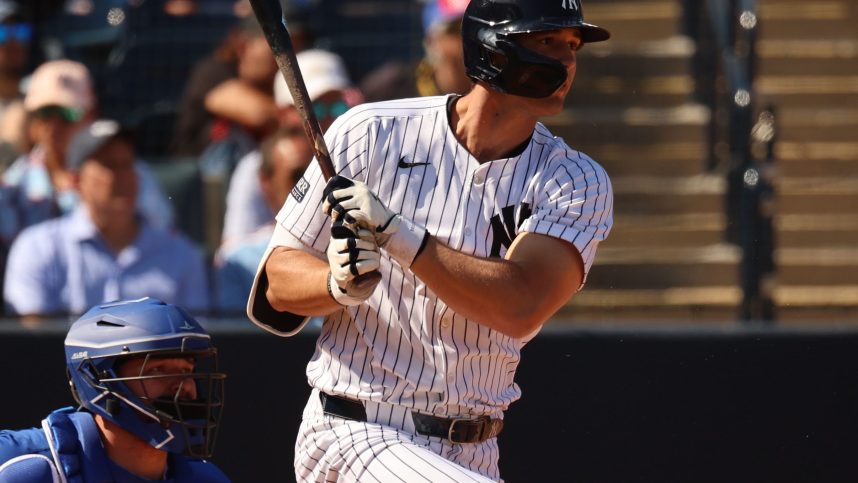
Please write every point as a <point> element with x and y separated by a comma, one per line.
<point>22,32</point>
<point>330,109</point>
<point>66,114</point>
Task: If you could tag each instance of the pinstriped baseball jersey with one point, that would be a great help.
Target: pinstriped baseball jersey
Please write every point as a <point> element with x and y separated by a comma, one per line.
<point>404,346</point>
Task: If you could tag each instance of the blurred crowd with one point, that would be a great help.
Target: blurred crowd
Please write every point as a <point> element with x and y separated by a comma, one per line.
<point>147,145</point>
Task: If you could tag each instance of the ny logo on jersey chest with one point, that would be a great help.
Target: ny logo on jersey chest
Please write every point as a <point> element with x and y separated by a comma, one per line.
<point>505,224</point>
<point>570,5</point>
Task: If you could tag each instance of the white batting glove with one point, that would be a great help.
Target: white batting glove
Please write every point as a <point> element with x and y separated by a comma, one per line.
<point>354,204</point>
<point>349,258</point>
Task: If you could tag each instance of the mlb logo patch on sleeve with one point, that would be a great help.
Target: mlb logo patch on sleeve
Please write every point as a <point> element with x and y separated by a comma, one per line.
<point>300,190</point>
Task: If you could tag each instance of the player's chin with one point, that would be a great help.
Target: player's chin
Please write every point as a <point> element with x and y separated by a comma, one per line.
<point>551,105</point>
<point>554,104</point>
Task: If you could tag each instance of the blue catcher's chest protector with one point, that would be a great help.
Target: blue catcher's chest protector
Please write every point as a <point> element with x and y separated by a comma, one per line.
<point>75,448</point>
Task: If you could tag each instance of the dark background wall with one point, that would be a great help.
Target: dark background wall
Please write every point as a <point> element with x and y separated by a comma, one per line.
<point>598,406</point>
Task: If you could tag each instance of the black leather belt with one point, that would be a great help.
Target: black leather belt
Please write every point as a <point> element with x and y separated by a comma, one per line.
<point>456,430</point>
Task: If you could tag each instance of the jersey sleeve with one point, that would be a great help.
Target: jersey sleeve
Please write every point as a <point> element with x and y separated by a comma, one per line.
<point>573,201</point>
<point>301,215</point>
<point>301,223</point>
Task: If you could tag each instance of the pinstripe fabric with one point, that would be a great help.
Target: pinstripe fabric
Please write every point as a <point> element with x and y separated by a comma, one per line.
<point>404,346</point>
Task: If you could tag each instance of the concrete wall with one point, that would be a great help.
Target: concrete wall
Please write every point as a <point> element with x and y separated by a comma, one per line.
<point>599,406</point>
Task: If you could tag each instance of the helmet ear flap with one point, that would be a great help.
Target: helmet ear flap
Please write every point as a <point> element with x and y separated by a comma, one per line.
<point>73,388</point>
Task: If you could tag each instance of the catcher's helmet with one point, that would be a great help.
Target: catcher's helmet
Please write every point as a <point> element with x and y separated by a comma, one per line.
<point>492,55</point>
<point>147,330</point>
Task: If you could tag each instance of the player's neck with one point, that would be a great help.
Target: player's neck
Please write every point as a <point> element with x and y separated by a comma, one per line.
<point>489,126</point>
<point>130,452</point>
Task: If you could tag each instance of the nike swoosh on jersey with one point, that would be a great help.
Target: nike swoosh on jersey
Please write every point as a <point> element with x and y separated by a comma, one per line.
<point>405,164</point>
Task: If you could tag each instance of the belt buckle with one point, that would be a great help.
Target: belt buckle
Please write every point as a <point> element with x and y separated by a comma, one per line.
<point>453,429</point>
<point>479,423</point>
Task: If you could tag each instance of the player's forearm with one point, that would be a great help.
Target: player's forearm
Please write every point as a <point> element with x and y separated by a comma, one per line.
<point>297,283</point>
<point>512,296</point>
<point>241,103</point>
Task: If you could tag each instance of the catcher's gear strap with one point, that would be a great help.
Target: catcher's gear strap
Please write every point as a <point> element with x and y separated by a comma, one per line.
<point>76,446</point>
<point>29,468</point>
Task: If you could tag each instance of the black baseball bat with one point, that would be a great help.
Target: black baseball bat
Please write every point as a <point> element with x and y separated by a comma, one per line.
<point>273,23</point>
<point>269,14</point>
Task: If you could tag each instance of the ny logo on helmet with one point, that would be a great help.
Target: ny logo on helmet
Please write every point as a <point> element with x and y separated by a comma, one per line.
<point>570,5</point>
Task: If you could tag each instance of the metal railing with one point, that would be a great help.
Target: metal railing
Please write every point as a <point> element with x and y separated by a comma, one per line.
<point>726,66</point>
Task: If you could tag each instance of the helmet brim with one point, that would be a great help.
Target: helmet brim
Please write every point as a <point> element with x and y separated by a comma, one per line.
<point>589,33</point>
<point>593,33</point>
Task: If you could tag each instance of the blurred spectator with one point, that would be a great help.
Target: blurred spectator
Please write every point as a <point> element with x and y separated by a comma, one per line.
<point>441,71</point>
<point>243,55</point>
<point>246,101</point>
<point>102,250</point>
<point>328,85</point>
<point>8,230</point>
<point>59,101</point>
<point>243,113</point>
<point>15,36</point>
<point>332,93</point>
<point>193,126</point>
<point>284,157</point>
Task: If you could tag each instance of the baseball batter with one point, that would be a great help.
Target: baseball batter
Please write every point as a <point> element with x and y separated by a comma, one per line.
<point>481,223</point>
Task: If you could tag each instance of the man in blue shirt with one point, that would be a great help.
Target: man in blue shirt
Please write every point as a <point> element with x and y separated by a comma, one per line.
<point>60,101</point>
<point>103,250</point>
<point>145,376</point>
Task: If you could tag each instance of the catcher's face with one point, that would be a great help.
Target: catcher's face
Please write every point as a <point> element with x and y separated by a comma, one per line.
<point>160,378</point>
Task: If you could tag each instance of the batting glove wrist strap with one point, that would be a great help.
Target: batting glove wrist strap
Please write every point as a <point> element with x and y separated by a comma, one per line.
<point>342,296</point>
<point>405,241</point>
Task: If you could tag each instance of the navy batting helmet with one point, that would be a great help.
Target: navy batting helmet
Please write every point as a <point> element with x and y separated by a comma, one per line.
<point>184,415</point>
<point>492,55</point>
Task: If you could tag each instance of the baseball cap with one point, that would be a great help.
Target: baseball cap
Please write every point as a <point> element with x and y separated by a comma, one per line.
<point>90,139</point>
<point>62,83</point>
<point>323,71</point>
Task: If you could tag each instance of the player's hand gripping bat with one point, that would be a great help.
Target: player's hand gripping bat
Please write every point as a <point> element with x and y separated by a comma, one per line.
<point>270,16</point>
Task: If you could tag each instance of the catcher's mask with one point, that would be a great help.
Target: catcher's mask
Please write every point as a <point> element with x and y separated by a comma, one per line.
<point>150,368</point>
<point>492,54</point>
